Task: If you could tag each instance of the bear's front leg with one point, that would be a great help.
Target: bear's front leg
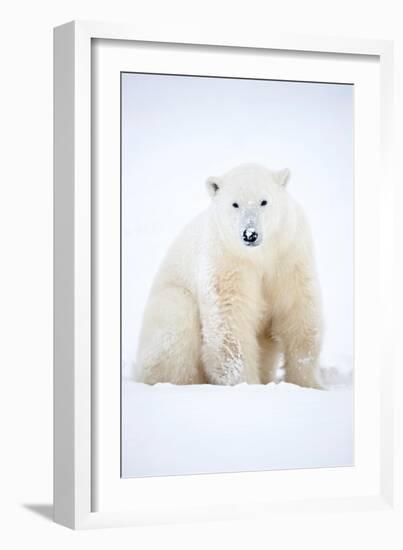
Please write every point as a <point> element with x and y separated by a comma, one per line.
<point>229,346</point>
<point>302,358</point>
<point>300,331</point>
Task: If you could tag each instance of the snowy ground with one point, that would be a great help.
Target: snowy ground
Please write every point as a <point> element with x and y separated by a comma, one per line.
<point>173,430</point>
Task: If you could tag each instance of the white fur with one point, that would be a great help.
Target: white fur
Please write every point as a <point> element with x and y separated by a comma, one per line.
<point>220,311</point>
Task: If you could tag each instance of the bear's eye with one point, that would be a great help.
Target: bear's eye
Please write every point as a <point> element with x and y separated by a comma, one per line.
<point>263,203</point>
<point>235,205</point>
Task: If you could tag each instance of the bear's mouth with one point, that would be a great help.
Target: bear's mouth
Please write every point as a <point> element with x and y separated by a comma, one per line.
<point>253,245</point>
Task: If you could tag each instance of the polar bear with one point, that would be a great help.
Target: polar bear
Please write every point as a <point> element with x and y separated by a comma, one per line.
<point>237,288</point>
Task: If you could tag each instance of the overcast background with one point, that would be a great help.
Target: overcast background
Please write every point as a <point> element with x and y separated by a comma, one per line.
<point>176,131</point>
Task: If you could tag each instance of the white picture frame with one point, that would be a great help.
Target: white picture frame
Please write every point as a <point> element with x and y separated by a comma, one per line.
<point>81,481</point>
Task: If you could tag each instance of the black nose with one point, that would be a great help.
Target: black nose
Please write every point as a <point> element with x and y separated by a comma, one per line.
<point>249,236</point>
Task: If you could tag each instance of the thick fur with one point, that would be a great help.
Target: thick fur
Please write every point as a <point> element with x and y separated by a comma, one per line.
<point>221,312</point>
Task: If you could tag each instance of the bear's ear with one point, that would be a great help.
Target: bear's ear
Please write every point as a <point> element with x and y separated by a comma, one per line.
<point>281,177</point>
<point>213,185</point>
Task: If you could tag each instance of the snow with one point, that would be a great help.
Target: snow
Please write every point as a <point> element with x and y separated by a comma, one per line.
<point>174,430</point>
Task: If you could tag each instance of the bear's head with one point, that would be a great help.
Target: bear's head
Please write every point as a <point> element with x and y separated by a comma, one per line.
<point>248,203</point>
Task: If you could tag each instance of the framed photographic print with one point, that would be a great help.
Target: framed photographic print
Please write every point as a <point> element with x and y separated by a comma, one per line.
<point>222,247</point>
